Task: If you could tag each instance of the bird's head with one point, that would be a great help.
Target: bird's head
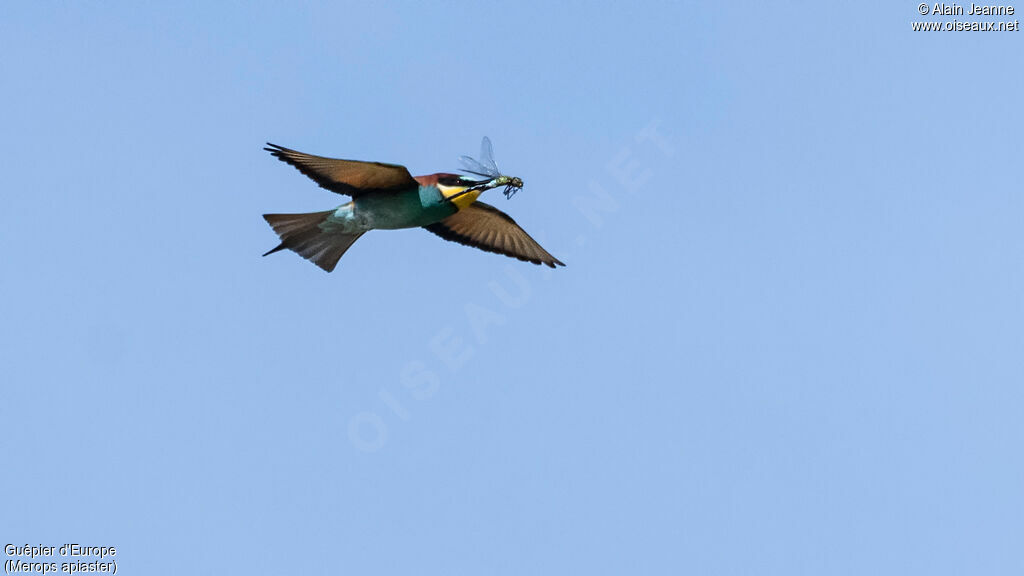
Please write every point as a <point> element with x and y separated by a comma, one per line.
<point>464,190</point>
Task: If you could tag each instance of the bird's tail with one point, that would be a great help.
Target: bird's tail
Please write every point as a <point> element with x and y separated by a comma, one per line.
<point>302,234</point>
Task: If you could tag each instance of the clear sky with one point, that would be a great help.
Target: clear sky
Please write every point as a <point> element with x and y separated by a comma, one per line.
<point>788,339</point>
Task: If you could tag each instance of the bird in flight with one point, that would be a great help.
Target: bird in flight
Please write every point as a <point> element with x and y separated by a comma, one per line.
<point>387,197</point>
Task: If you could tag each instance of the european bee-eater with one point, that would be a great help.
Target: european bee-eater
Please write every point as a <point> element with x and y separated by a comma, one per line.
<point>387,197</point>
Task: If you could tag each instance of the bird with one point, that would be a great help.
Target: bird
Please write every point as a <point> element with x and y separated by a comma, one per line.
<point>387,197</point>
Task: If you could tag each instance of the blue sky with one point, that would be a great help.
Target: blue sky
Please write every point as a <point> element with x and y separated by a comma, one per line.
<point>787,341</point>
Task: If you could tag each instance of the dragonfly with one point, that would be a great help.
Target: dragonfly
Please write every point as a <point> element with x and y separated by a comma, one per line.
<point>485,167</point>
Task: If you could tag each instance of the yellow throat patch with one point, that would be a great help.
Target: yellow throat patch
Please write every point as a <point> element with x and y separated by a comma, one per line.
<point>457,195</point>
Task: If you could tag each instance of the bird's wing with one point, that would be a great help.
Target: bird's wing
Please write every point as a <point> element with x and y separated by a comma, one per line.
<point>349,177</point>
<point>487,228</point>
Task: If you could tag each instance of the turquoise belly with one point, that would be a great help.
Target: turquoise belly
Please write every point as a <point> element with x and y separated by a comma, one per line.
<point>406,209</point>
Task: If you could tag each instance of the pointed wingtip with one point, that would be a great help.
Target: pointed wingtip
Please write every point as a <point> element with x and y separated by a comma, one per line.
<point>277,248</point>
<point>553,263</point>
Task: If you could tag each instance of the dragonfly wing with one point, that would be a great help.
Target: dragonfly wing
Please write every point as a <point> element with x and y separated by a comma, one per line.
<point>473,167</point>
<point>487,155</point>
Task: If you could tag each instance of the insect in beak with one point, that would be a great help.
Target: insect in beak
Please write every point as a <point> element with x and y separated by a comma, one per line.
<point>487,168</point>
<point>514,185</point>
